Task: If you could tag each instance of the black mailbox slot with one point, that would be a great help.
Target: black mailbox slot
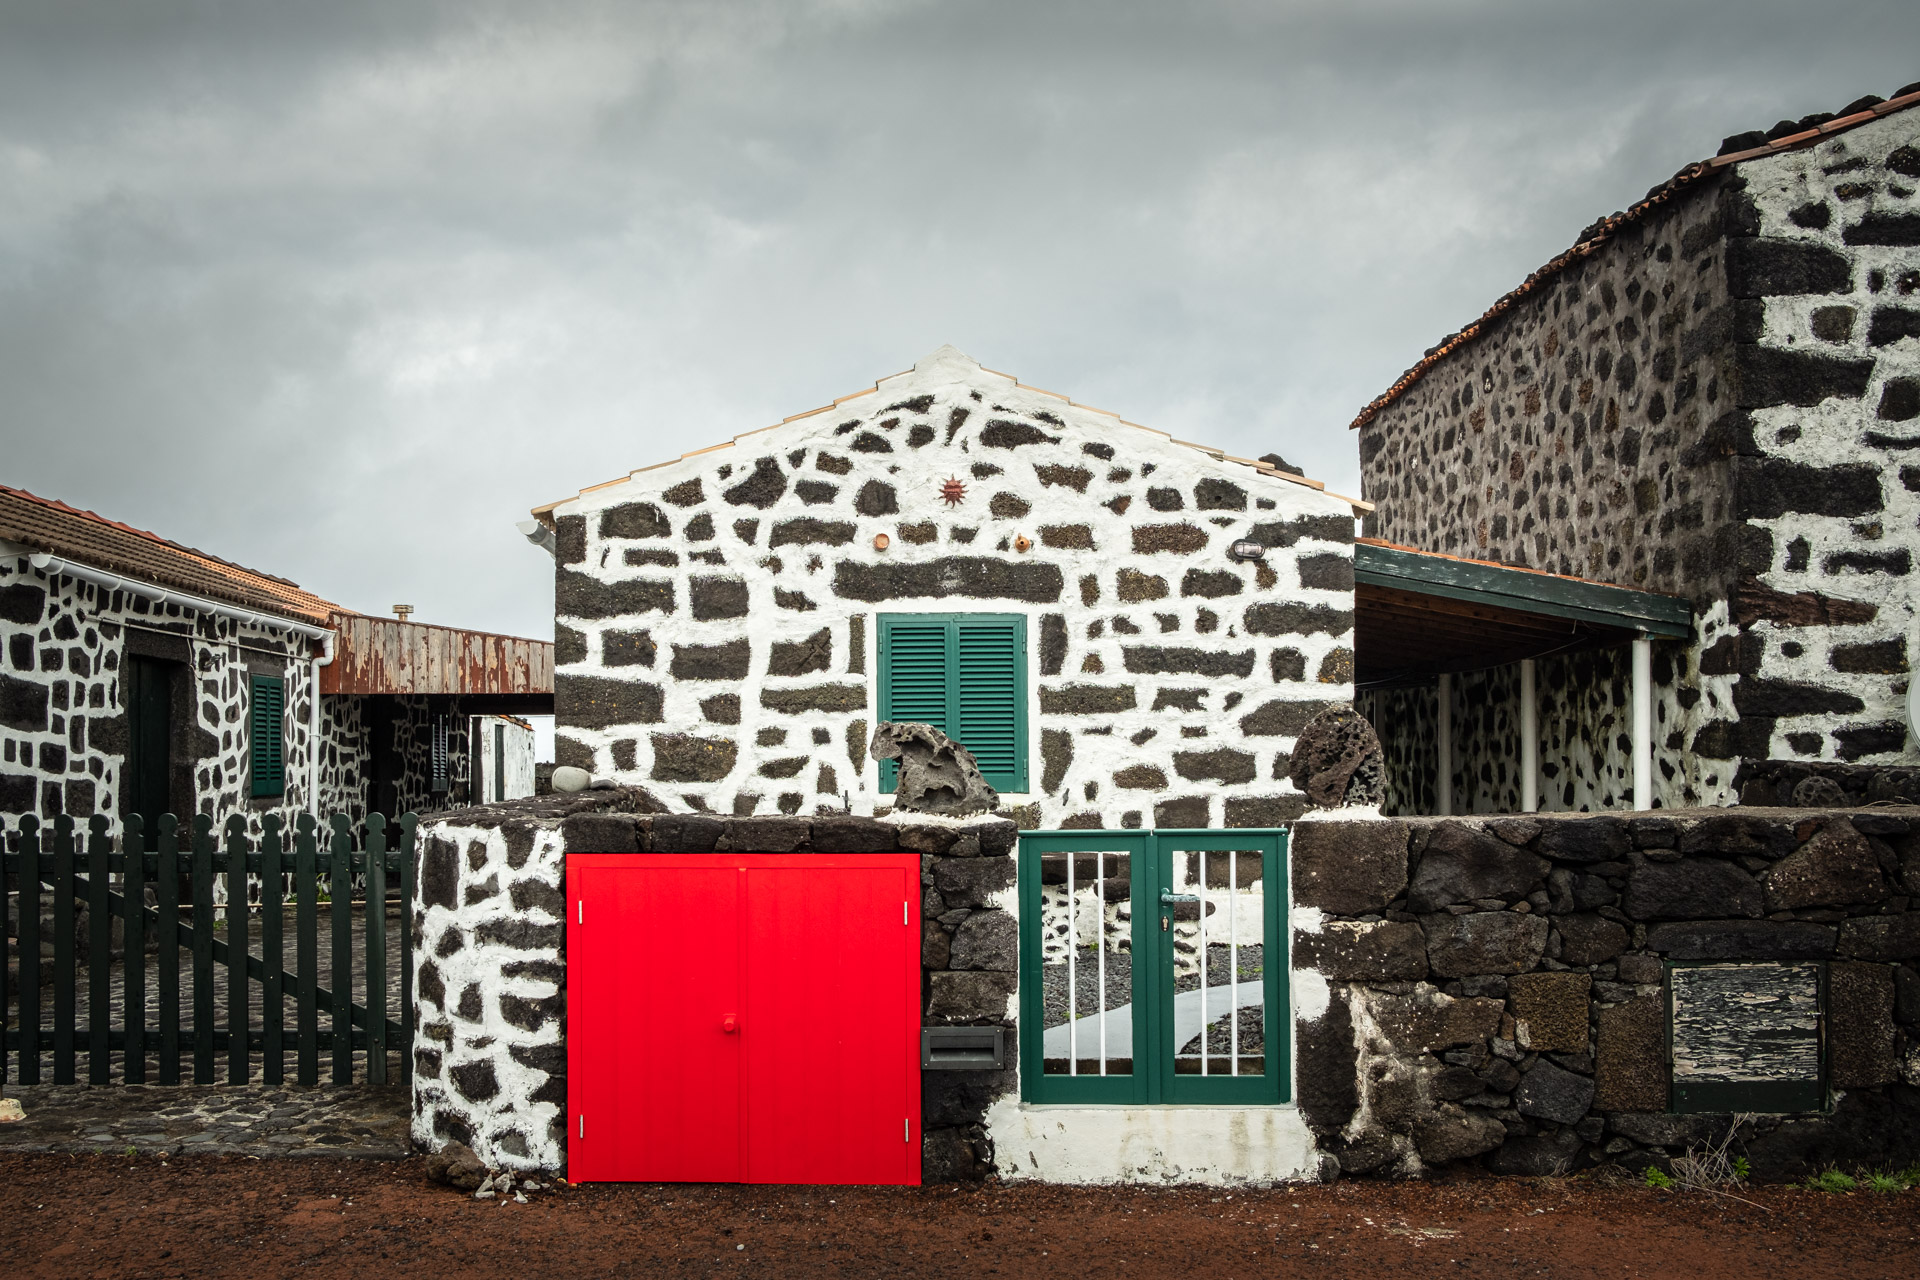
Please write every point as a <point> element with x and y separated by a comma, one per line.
<point>963,1048</point>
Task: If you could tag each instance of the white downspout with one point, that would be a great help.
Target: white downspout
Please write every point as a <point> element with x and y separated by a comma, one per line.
<point>323,659</point>
<point>1443,785</point>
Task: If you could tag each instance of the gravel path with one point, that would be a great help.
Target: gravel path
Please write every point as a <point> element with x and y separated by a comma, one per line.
<point>1120,994</point>
<point>211,1218</point>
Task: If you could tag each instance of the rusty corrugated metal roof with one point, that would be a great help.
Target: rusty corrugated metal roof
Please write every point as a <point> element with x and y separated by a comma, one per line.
<point>52,526</point>
<point>1785,136</point>
<point>385,655</point>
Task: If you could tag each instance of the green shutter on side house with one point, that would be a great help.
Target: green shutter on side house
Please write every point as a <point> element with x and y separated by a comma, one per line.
<point>989,709</point>
<point>266,726</point>
<point>964,674</point>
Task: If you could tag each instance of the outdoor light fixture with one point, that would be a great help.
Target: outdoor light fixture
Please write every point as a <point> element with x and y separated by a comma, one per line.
<point>1245,550</point>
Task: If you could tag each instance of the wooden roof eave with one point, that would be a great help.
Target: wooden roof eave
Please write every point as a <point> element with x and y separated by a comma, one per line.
<point>1523,591</point>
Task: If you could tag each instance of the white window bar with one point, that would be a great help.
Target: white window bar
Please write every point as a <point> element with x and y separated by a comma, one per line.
<point>1100,948</point>
<point>1073,945</point>
<point>1202,888</point>
<point>1233,956</point>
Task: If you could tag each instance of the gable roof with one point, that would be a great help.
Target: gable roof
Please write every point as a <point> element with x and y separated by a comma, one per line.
<point>1788,135</point>
<point>952,357</point>
<point>50,525</point>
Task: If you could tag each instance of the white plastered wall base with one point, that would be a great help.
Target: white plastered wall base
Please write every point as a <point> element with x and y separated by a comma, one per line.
<point>1212,1146</point>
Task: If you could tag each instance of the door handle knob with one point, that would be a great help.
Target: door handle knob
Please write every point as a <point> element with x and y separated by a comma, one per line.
<point>729,1024</point>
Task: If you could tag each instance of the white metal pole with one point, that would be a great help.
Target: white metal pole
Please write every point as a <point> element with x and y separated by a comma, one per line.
<point>1205,967</point>
<point>1443,784</point>
<point>1073,978</point>
<point>1643,721</point>
<point>1529,741</point>
<point>1100,944</point>
<point>1233,960</point>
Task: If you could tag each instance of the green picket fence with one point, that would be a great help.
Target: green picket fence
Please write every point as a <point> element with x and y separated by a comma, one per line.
<point>194,996</point>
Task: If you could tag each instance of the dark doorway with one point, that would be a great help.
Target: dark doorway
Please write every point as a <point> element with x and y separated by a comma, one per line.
<point>147,787</point>
<point>383,715</point>
<point>499,762</point>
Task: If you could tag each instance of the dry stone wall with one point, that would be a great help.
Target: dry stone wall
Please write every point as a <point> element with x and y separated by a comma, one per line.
<point>1710,406</point>
<point>1497,986</point>
<point>716,617</point>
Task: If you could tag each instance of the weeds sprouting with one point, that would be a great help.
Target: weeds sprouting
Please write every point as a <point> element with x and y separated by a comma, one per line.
<point>1831,1180</point>
<point>1711,1165</point>
<point>1708,1167</point>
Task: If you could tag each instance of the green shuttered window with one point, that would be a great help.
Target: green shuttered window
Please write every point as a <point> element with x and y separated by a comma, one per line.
<point>966,675</point>
<point>266,730</point>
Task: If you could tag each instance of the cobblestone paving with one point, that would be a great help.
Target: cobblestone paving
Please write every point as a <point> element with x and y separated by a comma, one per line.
<point>362,1120</point>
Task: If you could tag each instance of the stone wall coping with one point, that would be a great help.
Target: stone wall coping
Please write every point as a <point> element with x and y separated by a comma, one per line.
<point>620,820</point>
<point>545,809</point>
<point>1686,817</point>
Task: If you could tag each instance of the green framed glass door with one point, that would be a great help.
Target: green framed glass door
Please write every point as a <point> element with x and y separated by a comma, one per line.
<point>1079,985</point>
<point>1223,1030</point>
<point>1153,967</point>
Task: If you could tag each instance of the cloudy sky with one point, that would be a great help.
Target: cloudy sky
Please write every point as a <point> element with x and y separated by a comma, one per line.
<point>340,291</point>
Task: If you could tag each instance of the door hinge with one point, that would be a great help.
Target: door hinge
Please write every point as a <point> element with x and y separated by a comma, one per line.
<point>906,1129</point>
<point>903,914</point>
<point>583,1125</point>
<point>582,904</point>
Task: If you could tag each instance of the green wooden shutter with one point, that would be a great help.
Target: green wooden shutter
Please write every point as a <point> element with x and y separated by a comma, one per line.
<point>989,707</point>
<point>266,727</point>
<point>964,674</point>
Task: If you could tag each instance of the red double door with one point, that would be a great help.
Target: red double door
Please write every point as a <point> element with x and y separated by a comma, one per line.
<point>743,1018</point>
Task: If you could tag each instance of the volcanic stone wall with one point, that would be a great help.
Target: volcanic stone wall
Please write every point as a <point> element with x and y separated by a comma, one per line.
<point>716,632</point>
<point>1827,484</point>
<point>63,725</point>
<point>490,1064</point>
<point>1711,406</point>
<point>1584,707</point>
<point>412,728</point>
<point>1497,986</point>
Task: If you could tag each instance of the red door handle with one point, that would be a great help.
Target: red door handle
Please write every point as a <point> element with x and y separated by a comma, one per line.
<point>729,1024</point>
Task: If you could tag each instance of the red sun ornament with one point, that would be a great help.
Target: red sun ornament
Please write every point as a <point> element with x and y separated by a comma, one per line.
<point>953,491</point>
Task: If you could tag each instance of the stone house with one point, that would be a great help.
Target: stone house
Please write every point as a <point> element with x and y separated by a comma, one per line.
<point>144,677</point>
<point>1127,630</point>
<point>1714,395</point>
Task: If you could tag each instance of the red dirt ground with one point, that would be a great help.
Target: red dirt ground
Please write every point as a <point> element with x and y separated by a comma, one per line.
<point>114,1216</point>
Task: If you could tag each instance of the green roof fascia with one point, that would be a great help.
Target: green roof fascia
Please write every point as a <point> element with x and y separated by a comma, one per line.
<point>1527,592</point>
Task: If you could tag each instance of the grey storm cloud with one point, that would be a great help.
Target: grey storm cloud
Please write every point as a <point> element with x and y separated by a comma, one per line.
<point>340,291</point>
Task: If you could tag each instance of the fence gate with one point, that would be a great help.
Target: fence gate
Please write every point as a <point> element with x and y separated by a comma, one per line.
<point>743,1018</point>
<point>1153,967</point>
<point>171,976</point>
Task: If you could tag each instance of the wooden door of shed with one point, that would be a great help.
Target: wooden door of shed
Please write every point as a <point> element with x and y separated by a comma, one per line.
<point>743,1018</point>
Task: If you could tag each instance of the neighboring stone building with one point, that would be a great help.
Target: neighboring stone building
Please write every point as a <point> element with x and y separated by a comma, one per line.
<point>1715,395</point>
<point>731,624</point>
<point>141,676</point>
